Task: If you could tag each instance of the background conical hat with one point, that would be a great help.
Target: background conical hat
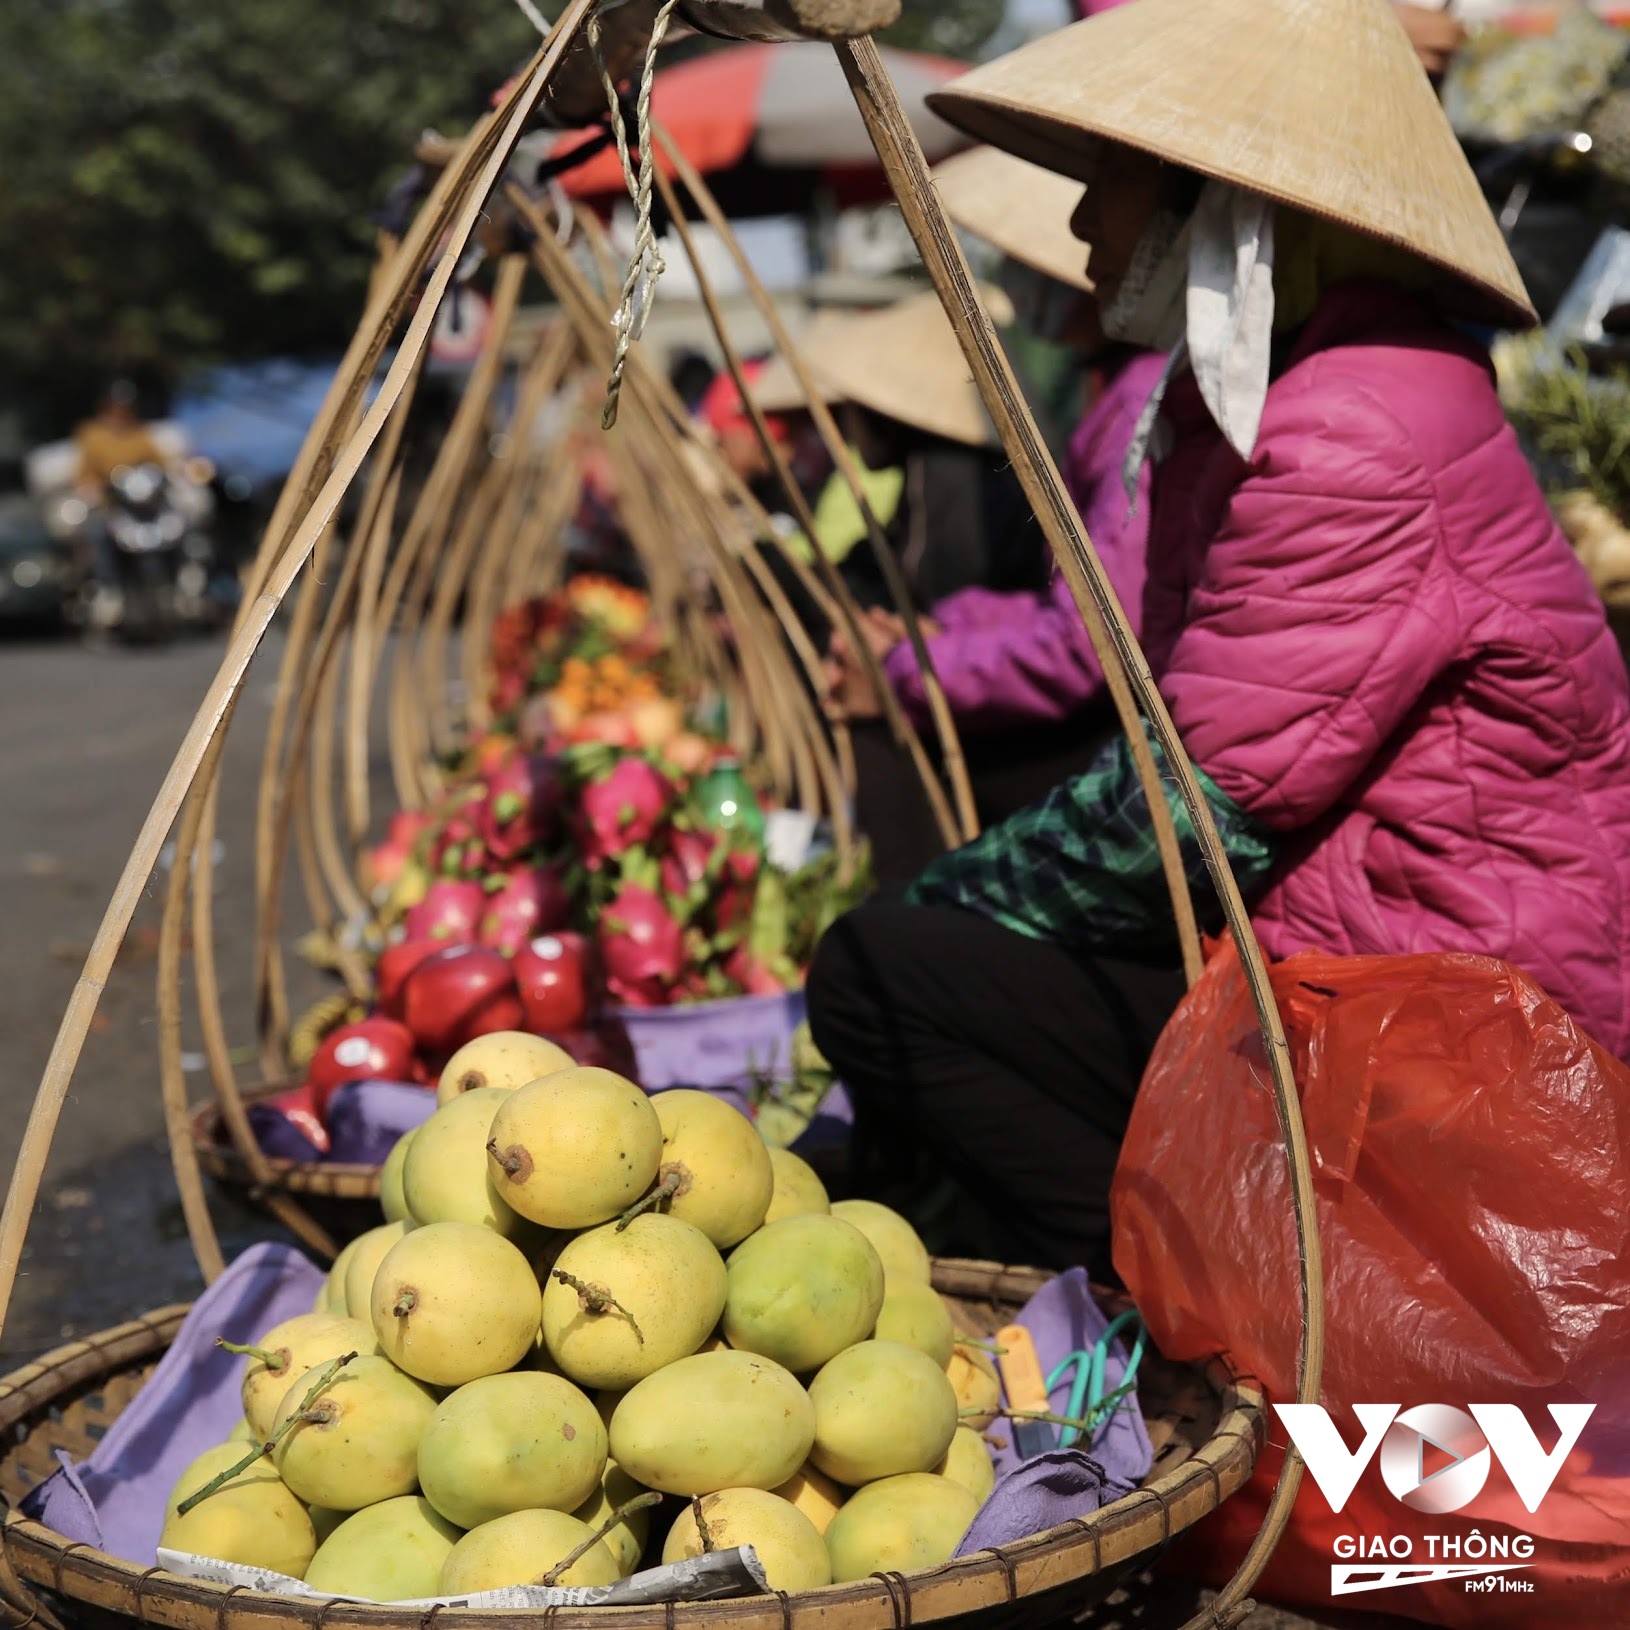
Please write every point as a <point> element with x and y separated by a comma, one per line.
<point>905,362</point>
<point>1320,104</point>
<point>777,390</point>
<point>1018,206</point>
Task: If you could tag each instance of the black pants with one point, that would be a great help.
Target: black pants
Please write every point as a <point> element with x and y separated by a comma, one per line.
<point>1007,1064</point>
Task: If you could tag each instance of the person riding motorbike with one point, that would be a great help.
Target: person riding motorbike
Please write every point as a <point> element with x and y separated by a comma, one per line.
<point>115,438</point>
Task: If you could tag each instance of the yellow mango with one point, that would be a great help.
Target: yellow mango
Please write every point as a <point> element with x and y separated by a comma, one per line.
<point>904,1254</point>
<point>801,1290</point>
<point>445,1175</point>
<point>881,1408</point>
<point>916,1314</point>
<point>367,1252</point>
<point>625,1541</point>
<point>519,1549</point>
<point>713,1421</point>
<point>968,1462</point>
<point>637,1298</point>
<point>790,1548</point>
<point>255,1520</point>
<point>506,1059</point>
<point>815,1494</point>
<point>798,1191</point>
<point>453,1301</point>
<point>508,1443</point>
<point>575,1148</point>
<point>717,1163</point>
<point>898,1525</point>
<point>390,1552</point>
<point>357,1442</point>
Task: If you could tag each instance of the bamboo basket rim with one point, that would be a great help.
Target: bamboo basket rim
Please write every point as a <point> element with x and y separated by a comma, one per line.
<point>328,1179</point>
<point>1081,1547</point>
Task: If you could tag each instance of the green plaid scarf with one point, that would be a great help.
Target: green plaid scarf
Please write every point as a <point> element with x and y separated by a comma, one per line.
<point>1082,867</point>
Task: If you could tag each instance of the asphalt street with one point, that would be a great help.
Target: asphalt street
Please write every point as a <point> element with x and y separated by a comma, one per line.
<point>86,737</point>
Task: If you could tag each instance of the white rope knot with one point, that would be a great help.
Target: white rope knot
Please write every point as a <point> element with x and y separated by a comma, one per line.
<point>646,264</point>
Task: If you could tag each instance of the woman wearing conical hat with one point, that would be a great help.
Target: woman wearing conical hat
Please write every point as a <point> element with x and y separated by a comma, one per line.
<point>1017,668</point>
<point>1408,715</point>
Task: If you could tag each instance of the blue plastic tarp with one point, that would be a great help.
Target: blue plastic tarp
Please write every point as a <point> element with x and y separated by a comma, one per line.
<point>249,419</point>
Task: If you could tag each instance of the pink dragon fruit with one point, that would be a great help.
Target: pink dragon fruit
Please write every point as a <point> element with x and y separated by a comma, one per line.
<point>527,903</point>
<point>522,807</point>
<point>738,886</point>
<point>622,810</point>
<point>450,912</point>
<point>643,947</point>
<point>457,850</point>
<point>684,866</point>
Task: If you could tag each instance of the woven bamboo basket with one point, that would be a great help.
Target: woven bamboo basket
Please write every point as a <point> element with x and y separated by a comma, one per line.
<point>1206,1427</point>
<point>314,807</point>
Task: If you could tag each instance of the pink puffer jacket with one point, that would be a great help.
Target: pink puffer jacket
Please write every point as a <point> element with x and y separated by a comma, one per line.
<point>1006,659</point>
<point>1375,640</point>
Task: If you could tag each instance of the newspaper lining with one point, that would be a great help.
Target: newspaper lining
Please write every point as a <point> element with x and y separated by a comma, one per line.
<point>713,1577</point>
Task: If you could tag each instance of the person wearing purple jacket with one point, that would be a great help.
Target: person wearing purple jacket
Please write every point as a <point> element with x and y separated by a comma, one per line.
<point>1020,675</point>
<point>1395,683</point>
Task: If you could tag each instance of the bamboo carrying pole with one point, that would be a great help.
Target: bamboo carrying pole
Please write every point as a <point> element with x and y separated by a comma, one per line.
<point>966,824</point>
<point>909,179</point>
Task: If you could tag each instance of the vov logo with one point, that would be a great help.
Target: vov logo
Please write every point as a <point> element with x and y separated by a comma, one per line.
<point>1434,1459</point>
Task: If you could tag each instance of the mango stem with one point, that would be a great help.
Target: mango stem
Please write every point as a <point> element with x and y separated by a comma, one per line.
<point>701,1524</point>
<point>596,1298</point>
<point>260,1449</point>
<point>640,1502</point>
<point>665,1190</point>
<point>273,1361</point>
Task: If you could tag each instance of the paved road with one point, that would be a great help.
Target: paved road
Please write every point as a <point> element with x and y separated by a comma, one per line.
<point>85,740</point>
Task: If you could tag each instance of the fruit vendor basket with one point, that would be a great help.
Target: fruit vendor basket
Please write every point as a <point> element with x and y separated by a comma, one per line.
<point>1206,1427</point>
<point>1206,1424</point>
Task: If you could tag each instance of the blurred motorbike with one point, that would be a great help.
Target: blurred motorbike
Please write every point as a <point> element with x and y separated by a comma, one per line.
<point>157,566</point>
<point>161,562</point>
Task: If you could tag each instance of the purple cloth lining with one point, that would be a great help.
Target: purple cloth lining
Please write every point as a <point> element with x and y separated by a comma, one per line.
<point>115,1500</point>
<point>1042,1492</point>
<point>714,1044</point>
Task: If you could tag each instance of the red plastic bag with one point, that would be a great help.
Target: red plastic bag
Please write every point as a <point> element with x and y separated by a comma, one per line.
<point>1471,1153</point>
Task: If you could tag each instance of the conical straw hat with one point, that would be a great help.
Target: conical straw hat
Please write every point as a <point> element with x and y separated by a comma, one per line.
<point>1320,104</point>
<point>777,390</point>
<point>1021,208</point>
<point>905,362</point>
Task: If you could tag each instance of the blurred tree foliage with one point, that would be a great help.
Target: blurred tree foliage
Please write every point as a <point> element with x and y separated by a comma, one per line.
<point>189,179</point>
<point>954,28</point>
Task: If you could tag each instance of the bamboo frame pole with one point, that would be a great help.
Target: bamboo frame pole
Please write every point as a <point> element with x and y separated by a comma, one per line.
<point>966,825</point>
<point>652,393</point>
<point>541,380</point>
<point>478,173</point>
<point>907,170</point>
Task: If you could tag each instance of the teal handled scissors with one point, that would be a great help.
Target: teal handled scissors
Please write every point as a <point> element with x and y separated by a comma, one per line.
<point>1087,1400</point>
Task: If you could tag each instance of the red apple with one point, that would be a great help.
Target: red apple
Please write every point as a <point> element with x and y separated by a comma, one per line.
<point>461,992</point>
<point>395,963</point>
<point>375,1049</point>
<point>558,979</point>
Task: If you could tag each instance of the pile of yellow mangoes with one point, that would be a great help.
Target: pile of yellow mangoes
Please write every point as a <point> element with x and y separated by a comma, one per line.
<point>581,1295</point>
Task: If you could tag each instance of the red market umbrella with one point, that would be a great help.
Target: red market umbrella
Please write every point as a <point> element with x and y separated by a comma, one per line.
<point>772,108</point>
